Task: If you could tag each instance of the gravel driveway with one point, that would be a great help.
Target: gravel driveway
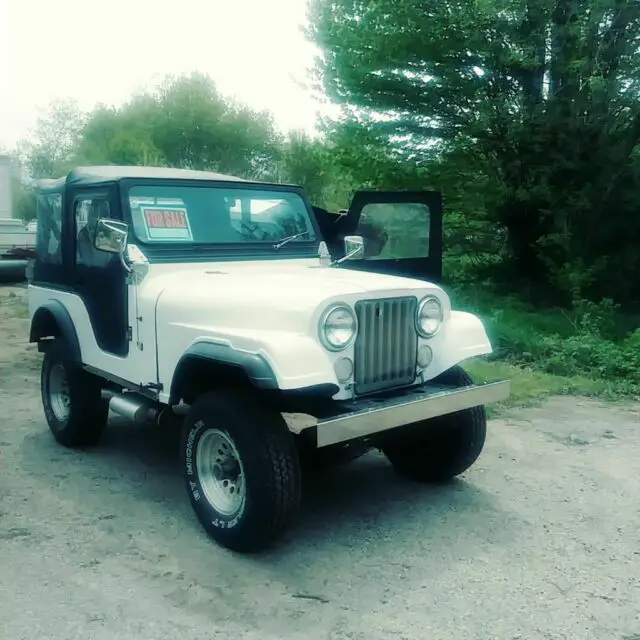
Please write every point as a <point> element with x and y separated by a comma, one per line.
<point>540,539</point>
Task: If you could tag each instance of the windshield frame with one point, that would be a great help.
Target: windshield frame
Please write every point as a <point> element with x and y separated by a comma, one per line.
<point>197,252</point>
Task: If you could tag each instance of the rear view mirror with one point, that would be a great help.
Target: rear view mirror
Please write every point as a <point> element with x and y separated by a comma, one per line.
<point>353,247</point>
<point>111,236</point>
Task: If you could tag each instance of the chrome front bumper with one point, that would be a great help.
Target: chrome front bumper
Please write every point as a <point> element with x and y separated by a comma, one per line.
<point>368,416</point>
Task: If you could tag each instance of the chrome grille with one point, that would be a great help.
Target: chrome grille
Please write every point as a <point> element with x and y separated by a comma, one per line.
<point>386,345</point>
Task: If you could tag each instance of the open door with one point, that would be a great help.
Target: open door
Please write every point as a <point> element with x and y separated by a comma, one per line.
<point>402,232</point>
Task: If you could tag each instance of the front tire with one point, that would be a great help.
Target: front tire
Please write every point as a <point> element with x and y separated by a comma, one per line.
<point>241,468</point>
<point>439,449</point>
<point>71,399</point>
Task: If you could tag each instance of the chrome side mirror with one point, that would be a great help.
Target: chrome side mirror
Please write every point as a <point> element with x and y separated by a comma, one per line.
<point>353,247</point>
<point>111,236</point>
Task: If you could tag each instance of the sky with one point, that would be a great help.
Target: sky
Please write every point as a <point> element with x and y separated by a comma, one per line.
<point>104,51</point>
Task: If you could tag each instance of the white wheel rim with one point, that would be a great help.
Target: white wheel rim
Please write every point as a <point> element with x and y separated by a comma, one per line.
<point>59,393</point>
<point>220,472</point>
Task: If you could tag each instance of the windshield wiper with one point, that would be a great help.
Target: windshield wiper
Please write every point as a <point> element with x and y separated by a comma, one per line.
<point>289,239</point>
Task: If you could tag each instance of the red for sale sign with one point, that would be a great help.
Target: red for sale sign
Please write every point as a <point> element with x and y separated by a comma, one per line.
<point>167,223</point>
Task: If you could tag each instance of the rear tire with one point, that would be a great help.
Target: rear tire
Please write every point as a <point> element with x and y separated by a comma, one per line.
<point>71,399</point>
<point>242,471</point>
<point>439,449</point>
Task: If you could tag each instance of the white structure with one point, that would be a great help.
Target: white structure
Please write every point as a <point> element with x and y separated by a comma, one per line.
<point>6,209</point>
<point>13,232</point>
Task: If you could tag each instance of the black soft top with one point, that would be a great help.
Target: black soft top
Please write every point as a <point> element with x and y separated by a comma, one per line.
<point>86,176</point>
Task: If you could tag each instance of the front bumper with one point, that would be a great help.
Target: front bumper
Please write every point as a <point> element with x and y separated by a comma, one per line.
<point>368,416</point>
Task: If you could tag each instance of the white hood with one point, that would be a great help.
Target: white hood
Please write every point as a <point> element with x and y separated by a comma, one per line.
<point>274,294</point>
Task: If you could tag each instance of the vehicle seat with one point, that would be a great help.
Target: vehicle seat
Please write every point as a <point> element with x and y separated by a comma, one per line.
<point>210,218</point>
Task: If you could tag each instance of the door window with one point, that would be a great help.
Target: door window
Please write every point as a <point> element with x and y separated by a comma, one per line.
<point>48,232</point>
<point>88,211</point>
<point>393,231</point>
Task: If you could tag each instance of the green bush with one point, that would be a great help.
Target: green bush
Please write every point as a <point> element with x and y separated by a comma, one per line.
<point>589,340</point>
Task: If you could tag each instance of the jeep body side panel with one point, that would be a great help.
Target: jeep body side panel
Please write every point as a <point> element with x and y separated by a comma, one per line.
<point>138,367</point>
<point>52,319</point>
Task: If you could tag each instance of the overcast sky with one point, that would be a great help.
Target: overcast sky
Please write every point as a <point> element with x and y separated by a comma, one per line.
<point>103,51</point>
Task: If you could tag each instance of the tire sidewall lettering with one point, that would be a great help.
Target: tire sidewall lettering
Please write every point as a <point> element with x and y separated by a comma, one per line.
<point>194,487</point>
<point>193,435</point>
<point>220,523</point>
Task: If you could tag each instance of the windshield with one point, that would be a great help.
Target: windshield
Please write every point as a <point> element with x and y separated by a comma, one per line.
<point>212,215</point>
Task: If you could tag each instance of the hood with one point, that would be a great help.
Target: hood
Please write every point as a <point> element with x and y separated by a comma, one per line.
<point>310,282</point>
<point>268,294</point>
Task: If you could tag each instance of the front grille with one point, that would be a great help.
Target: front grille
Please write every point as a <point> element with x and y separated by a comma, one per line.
<point>386,345</point>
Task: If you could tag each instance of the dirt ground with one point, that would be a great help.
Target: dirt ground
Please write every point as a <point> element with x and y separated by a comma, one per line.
<point>539,540</point>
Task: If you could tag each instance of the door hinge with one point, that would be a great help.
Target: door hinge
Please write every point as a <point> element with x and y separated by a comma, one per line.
<point>129,334</point>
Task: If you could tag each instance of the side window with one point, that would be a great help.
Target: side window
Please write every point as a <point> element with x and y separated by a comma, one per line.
<point>87,212</point>
<point>395,230</point>
<point>48,233</point>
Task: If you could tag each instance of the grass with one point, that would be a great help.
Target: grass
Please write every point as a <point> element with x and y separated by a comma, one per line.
<point>529,387</point>
<point>547,352</point>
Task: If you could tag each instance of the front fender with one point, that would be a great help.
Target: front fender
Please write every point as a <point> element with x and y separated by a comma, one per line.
<point>271,361</point>
<point>298,361</point>
<point>256,368</point>
<point>462,337</point>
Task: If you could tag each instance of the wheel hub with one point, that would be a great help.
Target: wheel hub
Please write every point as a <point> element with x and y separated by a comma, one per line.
<point>227,469</point>
<point>220,472</point>
<point>59,393</point>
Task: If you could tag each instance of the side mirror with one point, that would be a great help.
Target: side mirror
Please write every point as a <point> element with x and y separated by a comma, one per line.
<point>353,247</point>
<point>111,236</point>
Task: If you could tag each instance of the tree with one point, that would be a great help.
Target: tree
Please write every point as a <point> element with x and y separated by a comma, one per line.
<point>185,123</point>
<point>23,197</point>
<point>52,148</point>
<point>304,162</point>
<point>119,137</point>
<point>540,97</point>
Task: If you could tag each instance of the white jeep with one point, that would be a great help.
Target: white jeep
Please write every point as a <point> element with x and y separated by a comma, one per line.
<point>274,330</point>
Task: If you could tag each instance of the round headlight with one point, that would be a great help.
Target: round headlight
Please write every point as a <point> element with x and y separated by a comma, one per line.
<point>429,316</point>
<point>338,327</point>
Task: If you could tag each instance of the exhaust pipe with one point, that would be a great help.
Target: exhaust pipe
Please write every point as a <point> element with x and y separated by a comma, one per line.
<point>139,410</point>
<point>133,407</point>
